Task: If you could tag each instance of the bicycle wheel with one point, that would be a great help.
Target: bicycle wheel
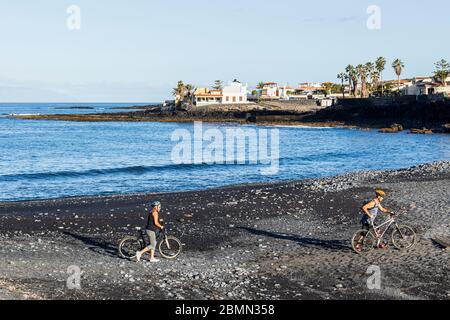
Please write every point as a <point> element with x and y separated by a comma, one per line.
<point>363,241</point>
<point>403,237</point>
<point>170,248</point>
<point>129,246</point>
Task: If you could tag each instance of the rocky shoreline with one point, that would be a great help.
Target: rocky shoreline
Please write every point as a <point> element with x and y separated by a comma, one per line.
<point>285,240</point>
<point>418,117</point>
<point>262,113</point>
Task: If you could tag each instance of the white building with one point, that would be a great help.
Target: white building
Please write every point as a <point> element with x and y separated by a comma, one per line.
<point>269,90</point>
<point>426,85</point>
<point>233,93</point>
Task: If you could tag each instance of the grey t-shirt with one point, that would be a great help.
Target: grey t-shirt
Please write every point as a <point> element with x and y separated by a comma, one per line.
<point>373,211</point>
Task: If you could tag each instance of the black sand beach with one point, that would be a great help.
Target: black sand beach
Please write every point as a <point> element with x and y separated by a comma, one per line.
<point>275,241</point>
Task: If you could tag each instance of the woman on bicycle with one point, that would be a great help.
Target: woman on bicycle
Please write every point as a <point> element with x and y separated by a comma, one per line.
<point>153,226</point>
<point>371,210</point>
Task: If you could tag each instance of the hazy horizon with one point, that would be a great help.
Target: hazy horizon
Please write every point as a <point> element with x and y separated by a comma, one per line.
<point>136,53</point>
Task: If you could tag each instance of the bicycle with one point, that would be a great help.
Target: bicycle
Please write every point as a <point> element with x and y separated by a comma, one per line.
<point>402,237</point>
<point>169,247</point>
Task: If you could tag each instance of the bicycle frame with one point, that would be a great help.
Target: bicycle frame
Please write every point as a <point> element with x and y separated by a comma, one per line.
<point>387,223</point>
<point>161,236</point>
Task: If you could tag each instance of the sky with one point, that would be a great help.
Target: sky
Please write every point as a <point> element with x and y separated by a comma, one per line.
<point>136,51</point>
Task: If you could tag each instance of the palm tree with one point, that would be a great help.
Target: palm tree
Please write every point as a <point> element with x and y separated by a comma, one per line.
<point>398,66</point>
<point>179,90</point>
<point>380,65</point>
<point>363,74</point>
<point>190,89</point>
<point>442,71</point>
<point>369,69</point>
<point>182,91</point>
<point>352,78</point>
<point>260,85</point>
<point>343,77</point>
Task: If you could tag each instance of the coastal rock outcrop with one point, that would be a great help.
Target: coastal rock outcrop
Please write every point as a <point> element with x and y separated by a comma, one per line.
<point>446,128</point>
<point>409,111</point>
<point>393,128</point>
<point>421,131</point>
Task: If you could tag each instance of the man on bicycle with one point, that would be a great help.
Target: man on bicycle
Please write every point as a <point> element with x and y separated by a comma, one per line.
<point>153,226</point>
<point>371,210</point>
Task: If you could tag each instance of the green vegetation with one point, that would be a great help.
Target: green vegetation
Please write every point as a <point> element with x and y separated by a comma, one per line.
<point>183,93</point>
<point>398,66</point>
<point>370,76</point>
<point>327,88</point>
<point>343,77</point>
<point>363,73</point>
<point>218,85</point>
<point>179,90</point>
<point>442,71</point>
<point>380,65</point>
<point>352,75</point>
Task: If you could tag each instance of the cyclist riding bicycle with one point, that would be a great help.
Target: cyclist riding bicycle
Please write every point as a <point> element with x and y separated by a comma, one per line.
<point>153,226</point>
<point>371,210</point>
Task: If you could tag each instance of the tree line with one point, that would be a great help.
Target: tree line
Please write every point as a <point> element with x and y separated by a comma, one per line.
<point>370,77</point>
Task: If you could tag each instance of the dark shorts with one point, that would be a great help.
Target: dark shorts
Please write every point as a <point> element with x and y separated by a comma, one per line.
<point>365,225</point>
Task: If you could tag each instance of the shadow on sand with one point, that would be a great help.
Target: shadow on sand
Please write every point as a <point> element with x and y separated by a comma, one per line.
<point>96,245</point>
<point>302,241</point>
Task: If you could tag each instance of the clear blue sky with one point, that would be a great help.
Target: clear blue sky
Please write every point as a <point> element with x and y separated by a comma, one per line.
<point>132,51</point>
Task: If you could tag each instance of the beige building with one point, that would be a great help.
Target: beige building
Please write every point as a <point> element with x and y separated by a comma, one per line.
<point>205,96</point>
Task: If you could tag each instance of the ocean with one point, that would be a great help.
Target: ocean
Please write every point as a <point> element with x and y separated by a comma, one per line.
<point>53,159</point>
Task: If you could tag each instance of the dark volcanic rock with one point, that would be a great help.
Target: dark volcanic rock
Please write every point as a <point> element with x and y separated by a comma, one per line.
<point>381,112</point>
<point>446,128</point>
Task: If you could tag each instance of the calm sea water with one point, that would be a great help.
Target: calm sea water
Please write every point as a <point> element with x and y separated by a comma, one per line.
<point>63,108</point>
<point>50,159</point>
